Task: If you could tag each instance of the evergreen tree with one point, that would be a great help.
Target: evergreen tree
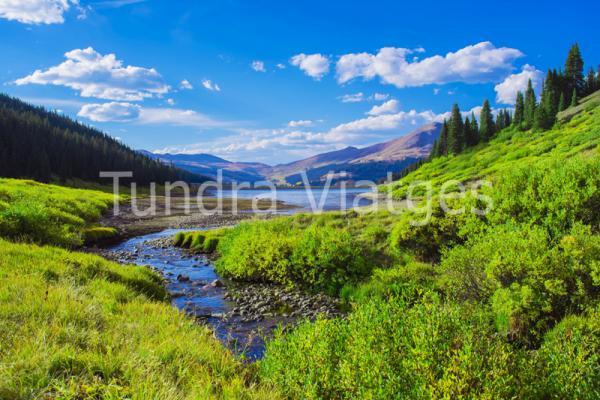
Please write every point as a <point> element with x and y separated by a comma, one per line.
<point>574,70</point>
<point>443,146</point>
<point>486,122</point>
<point>530,105</point>
<point>574,98</point>
<point>561,102</point>
<point>475,129</point>
<point>468,134</point>
<point>519,109</point>
<point>590,82</point>
<point>435,149</point>
<point>455,131</point>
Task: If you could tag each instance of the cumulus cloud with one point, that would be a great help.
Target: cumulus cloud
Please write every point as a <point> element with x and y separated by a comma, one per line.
<point>506,91</point>
<point>113,112</point>
<point>103,77</point>
<point>280,66</point>
<point>36,11</point>
<point>379,96</point>
<point>171,102</point>
<point>258,66</point>
<point>300,123</point>
<point>384,122</point>
<point>313,65</point>
<point>185,85</point>
<point>389,107</point>
<point>133,113</point>
<point>352,98</point>
<point>479,63</point>
<point>210,85</point>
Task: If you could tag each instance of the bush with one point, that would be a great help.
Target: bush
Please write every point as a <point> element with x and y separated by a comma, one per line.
<point>529,282</point>
<point>390,349</point>
<point>319,257</point>
<point>98,234</point>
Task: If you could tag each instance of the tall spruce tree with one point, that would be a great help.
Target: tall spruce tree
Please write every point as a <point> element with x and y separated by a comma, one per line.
<point>561,102</point>
<point>519,109</point>
<point>590,82</point>
<point>443,146</point>
<point>486,122</point>
<point>474,129</point>
<point>574,70</point>
<point>455,131</point>
<point>530,105</point>
<point>574,98</point>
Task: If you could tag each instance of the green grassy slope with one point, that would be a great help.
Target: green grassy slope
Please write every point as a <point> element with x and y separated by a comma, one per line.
<point>53,214</point>
<point>75,326</point>
<point>511,148</point>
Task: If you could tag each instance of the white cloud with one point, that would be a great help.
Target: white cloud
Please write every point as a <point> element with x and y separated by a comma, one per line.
<point>36,11</point>
<point>171,102</point>
<point>300,123</point>
<point>479,63</point>
<point>258,66</point>
<point>506,91</point>
<point>379,96</point>
<point>185,85</point>
<point>389,107</point>
<point>384,122</point>
<point>103,77</point>
<point>313,65</point>
<point>352,98</point>
<point>113,111</point>
<point>127,112</point>
<point>210,85</point>
<point>280,66</point>
<point>436,91</point>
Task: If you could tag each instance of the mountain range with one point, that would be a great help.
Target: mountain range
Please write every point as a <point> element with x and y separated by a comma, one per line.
<point>351,163</point>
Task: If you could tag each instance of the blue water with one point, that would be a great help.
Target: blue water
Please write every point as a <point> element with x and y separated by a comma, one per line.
<point>308,201</point>
<point>196,297</point>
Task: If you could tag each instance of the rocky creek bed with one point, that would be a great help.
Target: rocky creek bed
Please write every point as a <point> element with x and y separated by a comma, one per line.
<point>242,315</point>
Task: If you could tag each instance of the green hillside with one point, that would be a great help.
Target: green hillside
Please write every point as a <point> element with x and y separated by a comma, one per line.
<point>580,133</point>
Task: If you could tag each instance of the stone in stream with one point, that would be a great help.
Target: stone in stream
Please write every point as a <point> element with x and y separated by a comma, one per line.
<point>183,278</point>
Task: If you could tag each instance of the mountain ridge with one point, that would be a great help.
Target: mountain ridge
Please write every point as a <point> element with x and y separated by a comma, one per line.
<point>370,162</point>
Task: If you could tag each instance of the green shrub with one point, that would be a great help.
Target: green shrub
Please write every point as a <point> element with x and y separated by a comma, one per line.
<point>319,257</point>
<point>529,282</point>
<point>553,194</point>
<point>568,362</point>
<point>98,233</point>
<point>390,349</point>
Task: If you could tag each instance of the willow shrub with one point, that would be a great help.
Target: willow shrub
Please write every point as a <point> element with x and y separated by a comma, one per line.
<point>318,257</point>
<point>391,349</point>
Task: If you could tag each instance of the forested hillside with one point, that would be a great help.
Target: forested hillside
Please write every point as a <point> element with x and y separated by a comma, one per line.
<point>43,145</point>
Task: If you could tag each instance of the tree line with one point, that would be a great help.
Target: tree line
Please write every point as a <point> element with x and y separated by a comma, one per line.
<point>43,145</point>
<point>560,90</point>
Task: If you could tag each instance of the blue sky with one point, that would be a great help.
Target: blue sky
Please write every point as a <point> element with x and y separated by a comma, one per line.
<point>275,81</point>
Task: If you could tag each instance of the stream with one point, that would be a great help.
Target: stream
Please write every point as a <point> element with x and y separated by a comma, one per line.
<point>241,315</point>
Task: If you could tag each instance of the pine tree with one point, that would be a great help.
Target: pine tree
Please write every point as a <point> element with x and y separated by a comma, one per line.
<point>590,82</point>
<point>561,102</point>
<point>574,70</point>
<point>574,98</point>
<point>530,105</point>
<point>435,149</point>
<point>519,109</point>
<point>455,131</point>
<point>475,129</point>
<point>443,146</point>
<point>486,122</point>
